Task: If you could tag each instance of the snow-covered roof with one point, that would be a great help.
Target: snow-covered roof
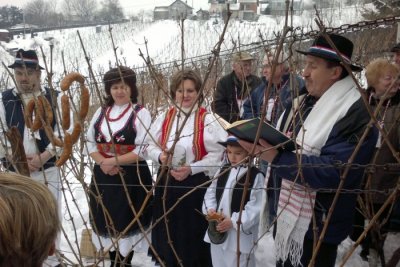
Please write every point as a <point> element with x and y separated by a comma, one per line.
<point>161,8</point>
<point>234,7</point>
<point>3,30</point>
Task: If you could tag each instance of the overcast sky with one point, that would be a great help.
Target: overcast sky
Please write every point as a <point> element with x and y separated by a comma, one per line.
<point>130,6</point>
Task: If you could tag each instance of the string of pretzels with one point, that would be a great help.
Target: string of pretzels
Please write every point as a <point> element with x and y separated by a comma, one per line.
<point>43,118</point>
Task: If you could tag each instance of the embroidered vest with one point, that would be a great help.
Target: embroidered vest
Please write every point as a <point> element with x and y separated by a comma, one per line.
<point>124,138</point>
<point>199,149</point>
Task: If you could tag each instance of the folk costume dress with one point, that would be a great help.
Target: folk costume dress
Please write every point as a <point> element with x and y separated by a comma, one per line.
<point>198,147</point>
<point>128,125</point>
<point>225,194</point>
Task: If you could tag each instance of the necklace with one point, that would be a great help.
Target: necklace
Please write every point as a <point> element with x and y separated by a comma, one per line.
<point>119,116</point>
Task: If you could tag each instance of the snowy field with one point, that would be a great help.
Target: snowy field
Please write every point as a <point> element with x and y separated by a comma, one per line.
<point>163,39</point>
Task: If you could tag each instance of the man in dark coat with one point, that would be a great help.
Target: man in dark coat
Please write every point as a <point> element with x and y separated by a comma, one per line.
<point>40,153</point>
<point>233,89</point>
<point>328,124</point>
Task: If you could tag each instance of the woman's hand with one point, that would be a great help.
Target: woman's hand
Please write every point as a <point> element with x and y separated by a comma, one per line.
<point>181,173</point>
<point>265,149</point>
<point>163,157</point>
<point>114,171</point>
<point>225,225</point>
<point>107,165</point>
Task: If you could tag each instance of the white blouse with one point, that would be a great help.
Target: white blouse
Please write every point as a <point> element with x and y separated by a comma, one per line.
<point>213,133</point>
<point>142,124</point>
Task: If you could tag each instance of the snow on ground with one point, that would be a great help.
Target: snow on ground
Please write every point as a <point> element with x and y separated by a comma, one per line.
<point>163,45</point>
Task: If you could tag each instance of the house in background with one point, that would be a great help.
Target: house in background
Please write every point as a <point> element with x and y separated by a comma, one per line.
<point>176,10</point>
<point>203,14</point>
<point>248,9</point>
<point>5,35</point>
<point>161,12</point>
<point>278,7</point>
<point>241,9</point>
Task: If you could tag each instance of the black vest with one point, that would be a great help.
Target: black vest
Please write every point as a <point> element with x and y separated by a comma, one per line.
<point>238,189</point>
<point>15,117</point>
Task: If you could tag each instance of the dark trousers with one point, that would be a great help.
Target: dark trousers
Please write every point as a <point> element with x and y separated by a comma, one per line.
<point>326,255</point>
<point>117,260</point>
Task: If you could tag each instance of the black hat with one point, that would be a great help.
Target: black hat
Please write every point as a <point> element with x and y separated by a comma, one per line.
<point>231,140</point>
<point>321,48</point>
<point>27,58</point>
<point>395,48</point>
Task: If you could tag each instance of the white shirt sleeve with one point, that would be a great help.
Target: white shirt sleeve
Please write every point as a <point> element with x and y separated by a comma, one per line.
<point>4,145</point>
<point>210,201</point>
<point>153,150</point>
<point>90,138</point>
<point>142,124</point>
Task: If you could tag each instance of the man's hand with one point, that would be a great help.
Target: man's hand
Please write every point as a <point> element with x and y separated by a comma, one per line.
<point>264,149</point>
<point>36,161</point>
<point>181,173</point>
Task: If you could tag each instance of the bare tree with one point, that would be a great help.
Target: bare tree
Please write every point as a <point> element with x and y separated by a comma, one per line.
<point>84,10</point>
<point>37,12</point>
<point>111,10</point>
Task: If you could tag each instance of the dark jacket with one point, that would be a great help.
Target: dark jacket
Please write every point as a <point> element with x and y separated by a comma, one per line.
<point>252,106</point>
<point>337,150</point>
<point>384,176</point>
<point>229,89</point>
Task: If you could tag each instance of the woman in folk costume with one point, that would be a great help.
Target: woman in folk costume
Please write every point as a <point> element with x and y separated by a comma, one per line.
<point>120,175</point>
<point>195,159</point>
<point>328,123</point>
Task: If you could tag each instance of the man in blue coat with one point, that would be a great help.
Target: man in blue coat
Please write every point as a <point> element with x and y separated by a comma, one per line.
<point>328,123</point>
<point>283,86</point>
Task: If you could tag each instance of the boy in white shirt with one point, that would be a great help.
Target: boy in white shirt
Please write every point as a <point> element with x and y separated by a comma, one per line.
<point>222,201</point>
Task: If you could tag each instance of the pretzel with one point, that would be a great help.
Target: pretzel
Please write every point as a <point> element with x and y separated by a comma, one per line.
<point>66,119</point>
<point>48,111</point>
<point>70,78</point>
<point>84,102</point>
<point>53,140</point>
<point>67,150</point>
<point>36,105</point>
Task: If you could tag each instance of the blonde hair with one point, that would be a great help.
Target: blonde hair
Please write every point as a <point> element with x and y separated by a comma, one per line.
<point>29,221</point>
<point>377,68</point>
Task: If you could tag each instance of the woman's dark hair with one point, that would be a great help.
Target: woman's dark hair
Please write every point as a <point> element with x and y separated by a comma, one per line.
<point>117,75</point>
<point>181,76</point>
